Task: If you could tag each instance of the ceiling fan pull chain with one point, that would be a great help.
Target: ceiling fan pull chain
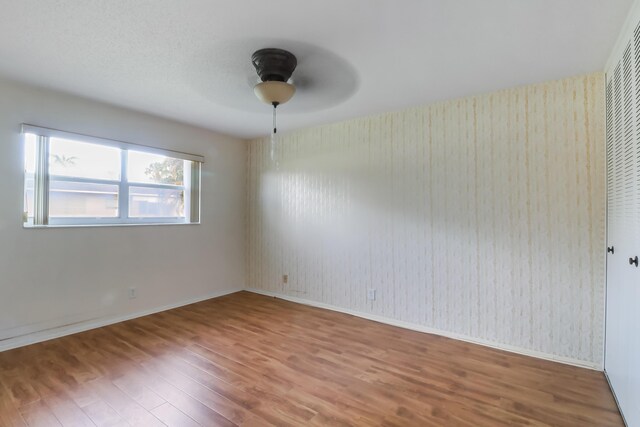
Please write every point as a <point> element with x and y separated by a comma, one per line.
<point>273,138</point>
<point>275,130</point>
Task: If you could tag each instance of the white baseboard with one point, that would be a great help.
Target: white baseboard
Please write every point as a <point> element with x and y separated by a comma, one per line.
<point>61,331</point>
<point>428,330</point>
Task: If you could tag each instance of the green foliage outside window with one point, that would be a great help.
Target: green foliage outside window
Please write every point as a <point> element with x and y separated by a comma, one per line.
<point>168,171</point>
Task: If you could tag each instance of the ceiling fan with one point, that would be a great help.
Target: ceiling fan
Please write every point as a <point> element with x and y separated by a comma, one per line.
<point>274,67</point>
<point>232,72</point>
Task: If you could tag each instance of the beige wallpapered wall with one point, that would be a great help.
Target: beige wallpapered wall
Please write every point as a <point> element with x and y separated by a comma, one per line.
<point>481,217</point>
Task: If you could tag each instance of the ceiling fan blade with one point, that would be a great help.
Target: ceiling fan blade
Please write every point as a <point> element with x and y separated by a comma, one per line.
<point>225,76</point>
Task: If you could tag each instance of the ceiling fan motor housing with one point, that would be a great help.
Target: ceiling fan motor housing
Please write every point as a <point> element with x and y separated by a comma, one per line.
<point>274,64</point>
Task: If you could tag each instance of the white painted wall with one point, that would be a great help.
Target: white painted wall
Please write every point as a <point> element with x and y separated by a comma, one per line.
<point>481,218</point>
<point>53,277</point>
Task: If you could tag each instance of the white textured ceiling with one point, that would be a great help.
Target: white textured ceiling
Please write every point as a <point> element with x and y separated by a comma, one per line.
<point>183,59</point>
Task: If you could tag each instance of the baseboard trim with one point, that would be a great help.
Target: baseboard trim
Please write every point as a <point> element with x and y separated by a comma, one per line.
<point>61,331</point>
<point>428,330</point>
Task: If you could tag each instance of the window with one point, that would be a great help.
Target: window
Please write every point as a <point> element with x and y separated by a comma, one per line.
<point>74,179</point>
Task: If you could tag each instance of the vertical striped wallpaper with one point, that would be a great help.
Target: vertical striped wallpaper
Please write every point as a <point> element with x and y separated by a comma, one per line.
<point>482,216</point>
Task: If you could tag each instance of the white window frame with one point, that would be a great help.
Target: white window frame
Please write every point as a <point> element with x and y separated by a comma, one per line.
<point>42,178</point>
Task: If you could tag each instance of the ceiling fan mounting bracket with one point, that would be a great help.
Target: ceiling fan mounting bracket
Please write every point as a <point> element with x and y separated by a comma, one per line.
<point>274,64</point>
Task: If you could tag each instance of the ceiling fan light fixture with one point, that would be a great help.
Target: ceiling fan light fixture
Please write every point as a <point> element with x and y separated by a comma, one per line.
<point>274,92</point>
<point>274,67</point>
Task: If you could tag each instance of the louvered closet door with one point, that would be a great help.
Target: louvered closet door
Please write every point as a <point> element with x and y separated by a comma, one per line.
<point>622,361</point>
<point>634,235</point>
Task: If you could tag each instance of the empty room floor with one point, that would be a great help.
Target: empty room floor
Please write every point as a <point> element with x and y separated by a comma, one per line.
<point>247,359</point>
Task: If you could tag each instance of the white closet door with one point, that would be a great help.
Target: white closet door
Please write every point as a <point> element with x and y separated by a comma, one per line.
<point>633,333</point>
<point>616,345</point>
<point>613,341</point>
<point>622,361</point>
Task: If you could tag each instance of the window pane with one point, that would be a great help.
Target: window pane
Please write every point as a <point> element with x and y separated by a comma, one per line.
<point>29,194</point>
<point>155,169</point>
<point>29,170</point>
<point>83,160</point>
<point>145,202</point>
<point>83,200</point>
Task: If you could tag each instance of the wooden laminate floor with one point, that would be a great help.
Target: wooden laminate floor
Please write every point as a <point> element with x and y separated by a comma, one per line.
<point>246,359</point>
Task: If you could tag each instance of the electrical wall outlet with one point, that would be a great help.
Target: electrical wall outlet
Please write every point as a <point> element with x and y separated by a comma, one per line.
<point>285,278</point>
<point>371,294</point>
<point>133,293</point>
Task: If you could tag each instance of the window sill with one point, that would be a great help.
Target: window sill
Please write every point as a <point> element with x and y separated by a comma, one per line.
<point>144,224</point>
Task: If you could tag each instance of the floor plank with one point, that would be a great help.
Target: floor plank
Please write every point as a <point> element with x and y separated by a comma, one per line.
<point>67,411</point>
<point>104,415</point>
<point>250,360</point>
<point>172,417</point>
<point>38,414</point>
